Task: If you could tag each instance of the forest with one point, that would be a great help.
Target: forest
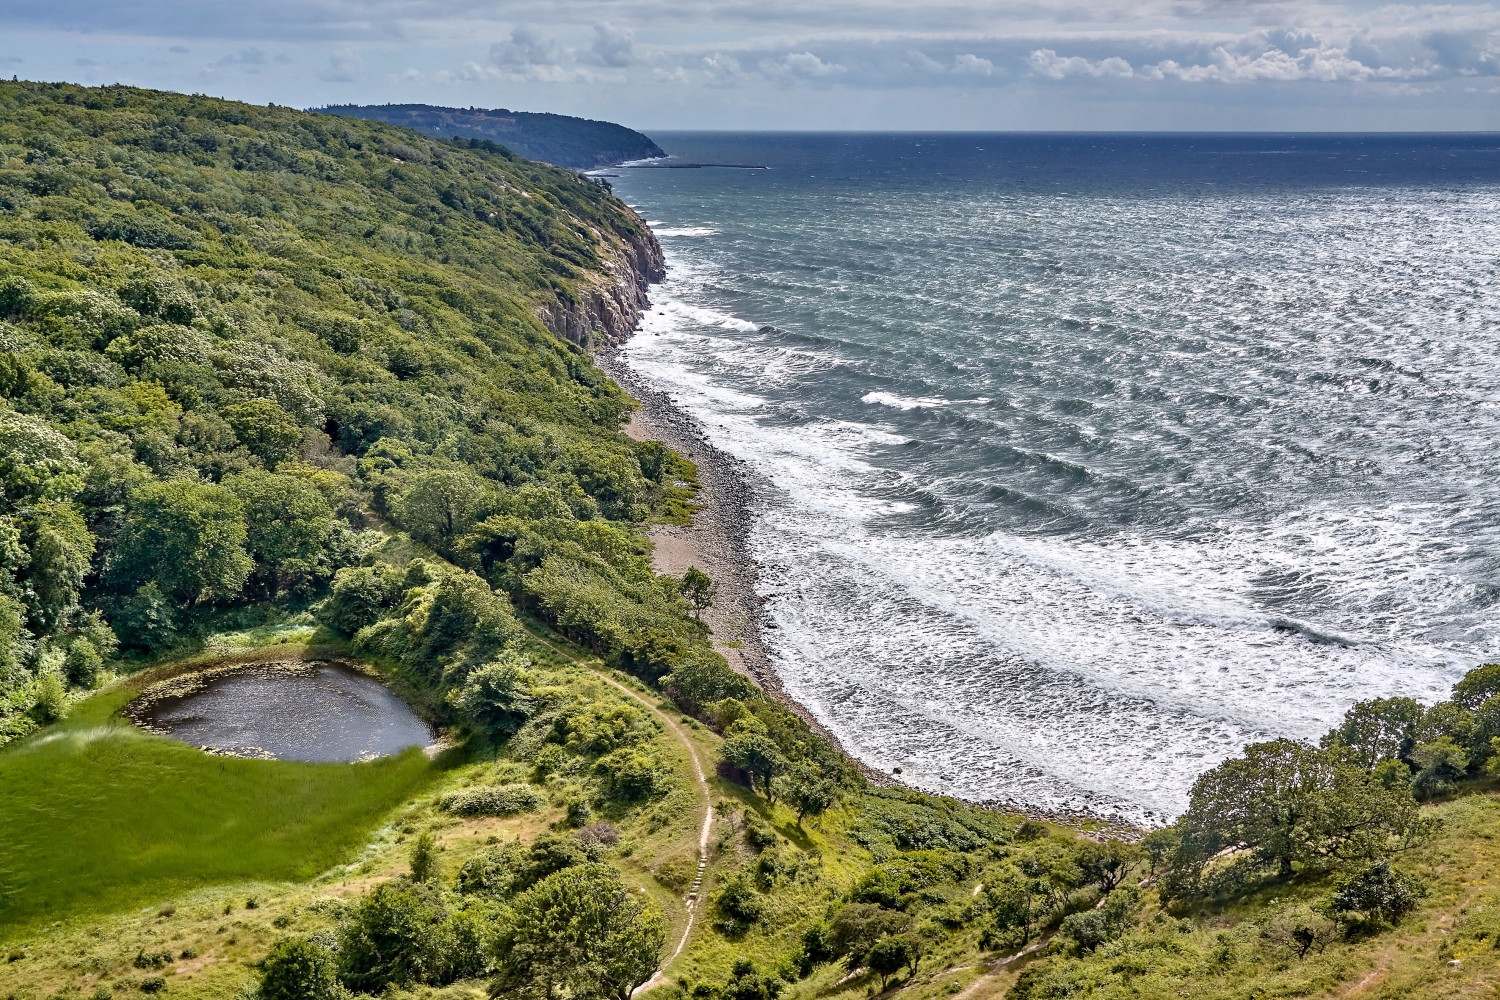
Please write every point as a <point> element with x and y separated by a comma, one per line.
<point>578,143</point>
<point>276,385</point>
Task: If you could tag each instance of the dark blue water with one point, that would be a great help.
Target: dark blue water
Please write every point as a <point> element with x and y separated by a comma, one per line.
<point>1096,457</point>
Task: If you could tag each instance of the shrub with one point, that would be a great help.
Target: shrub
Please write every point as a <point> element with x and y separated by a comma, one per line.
<point>153,984</point>
<point>747,983</point>
<point>738,904</point>
<point>146,618</point>
<point>583,927</point>
<point>703,680</point>
<point>424,862</point>
<point>1092,928</point>
<point>499,696</point>
<point>83,664</point>
<point>504,871</point>
<point>631,775</point>
<point>758,833</point>
<point>391,938</point>
<point>856,927</point>
<point>1478,686</point>
<point>578,814</point>
<point>51,699</point>
<point>492,800</point>
<point>890,955</point>
<point>1439,765</point>
<point>447,617</point>
<point>601,833</point>
<point>817,944</point>
<point>1376,895</point>
<point>299,969</point>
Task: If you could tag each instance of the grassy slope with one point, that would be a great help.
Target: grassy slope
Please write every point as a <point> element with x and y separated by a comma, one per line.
<point>1216,952</point>
<point>248,831</point>
<point>1231,951</point>
<point>100,933</point>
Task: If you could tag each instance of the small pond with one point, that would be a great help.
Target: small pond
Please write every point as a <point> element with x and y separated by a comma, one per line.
<point>322,712</point>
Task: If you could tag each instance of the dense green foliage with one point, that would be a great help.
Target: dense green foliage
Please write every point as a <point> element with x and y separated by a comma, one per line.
<point>1284,816</point>
<point>560,139</point>
<point>233,339</point>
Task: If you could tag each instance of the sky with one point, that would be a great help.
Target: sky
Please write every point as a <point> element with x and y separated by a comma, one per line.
<point>804,64</point>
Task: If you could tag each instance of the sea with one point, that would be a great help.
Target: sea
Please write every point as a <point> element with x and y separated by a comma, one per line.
<point>1087,460</point>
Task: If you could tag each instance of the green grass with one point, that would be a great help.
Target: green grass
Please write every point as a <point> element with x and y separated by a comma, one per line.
<point>98,816</point>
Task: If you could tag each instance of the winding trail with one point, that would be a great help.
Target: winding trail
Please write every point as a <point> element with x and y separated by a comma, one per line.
<point>990,969</point>
<point>690,901</point>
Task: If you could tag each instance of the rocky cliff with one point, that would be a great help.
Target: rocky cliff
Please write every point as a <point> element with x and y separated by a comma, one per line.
<point>607,308</point>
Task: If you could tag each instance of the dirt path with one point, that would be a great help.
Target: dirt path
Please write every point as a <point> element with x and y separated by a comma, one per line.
<point>690,901</point>
<point>991,968</point>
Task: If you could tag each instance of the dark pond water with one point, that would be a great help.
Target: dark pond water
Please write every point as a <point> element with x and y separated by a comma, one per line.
<point>326,713</point>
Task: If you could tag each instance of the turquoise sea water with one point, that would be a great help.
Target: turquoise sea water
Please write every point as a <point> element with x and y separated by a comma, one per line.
<point>1094,458</point>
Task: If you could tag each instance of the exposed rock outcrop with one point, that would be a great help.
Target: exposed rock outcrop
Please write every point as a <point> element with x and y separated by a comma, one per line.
<point>607,308</point>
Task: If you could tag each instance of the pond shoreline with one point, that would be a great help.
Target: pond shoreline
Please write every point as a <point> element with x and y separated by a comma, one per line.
<point>362,708</point>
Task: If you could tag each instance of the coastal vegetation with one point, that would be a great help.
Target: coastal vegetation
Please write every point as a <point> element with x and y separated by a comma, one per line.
<point>278,384</point>
<point>561,139</point>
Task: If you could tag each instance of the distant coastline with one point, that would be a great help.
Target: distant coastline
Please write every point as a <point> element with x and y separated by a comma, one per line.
<point>575,143</point>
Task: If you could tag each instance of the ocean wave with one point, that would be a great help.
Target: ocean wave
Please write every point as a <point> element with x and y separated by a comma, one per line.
<point>676,309</point>
<point>876,625</point>
<point>660,230</point>
<point>902,402</point>
<point>1208,492</point>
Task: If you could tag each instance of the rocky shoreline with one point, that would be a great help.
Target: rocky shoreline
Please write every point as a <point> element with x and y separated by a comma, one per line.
<point>730,491</point>
<point>717,542</point>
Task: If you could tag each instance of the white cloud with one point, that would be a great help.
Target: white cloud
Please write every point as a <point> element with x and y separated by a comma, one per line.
<point>720,70</point>
<point>524,47</point>
<point>968,64</point>
<point>613,46</point>
<point>528,55</point>
<point>799,66</point>
<point>1046,62</point>
<point>919,60</point>
<point>1303,64</point>
<point>1286,56</point>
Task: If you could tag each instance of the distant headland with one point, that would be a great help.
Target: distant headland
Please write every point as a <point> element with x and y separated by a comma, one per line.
<point>579,143</point>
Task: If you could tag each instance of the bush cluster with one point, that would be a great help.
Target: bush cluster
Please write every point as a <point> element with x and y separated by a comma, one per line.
<point>492,800</point>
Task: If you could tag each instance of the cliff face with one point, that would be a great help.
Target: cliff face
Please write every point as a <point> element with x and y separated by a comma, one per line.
<point>608,308</point>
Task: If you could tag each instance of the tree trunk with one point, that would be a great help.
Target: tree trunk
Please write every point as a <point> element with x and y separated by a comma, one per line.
<point>1286,867</point>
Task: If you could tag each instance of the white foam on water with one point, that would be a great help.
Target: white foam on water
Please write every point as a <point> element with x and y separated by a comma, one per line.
<point>660,230</point>
<point>1102,671</point>
<point>902,402</point>
<point>667,311</point>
